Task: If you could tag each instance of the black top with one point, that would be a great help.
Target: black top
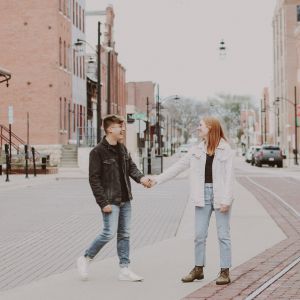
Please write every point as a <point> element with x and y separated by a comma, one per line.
<point>122,176</point>
<point>208,168</point>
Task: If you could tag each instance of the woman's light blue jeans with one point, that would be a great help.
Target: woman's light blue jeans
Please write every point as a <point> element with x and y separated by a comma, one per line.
<point>202,218</point>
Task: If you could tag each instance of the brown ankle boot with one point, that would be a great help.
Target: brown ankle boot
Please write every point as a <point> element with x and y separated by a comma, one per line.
<point>223,277</point>
<point>196,273</point>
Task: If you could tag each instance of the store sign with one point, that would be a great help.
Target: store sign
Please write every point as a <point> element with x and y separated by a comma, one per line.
<point>10,114</point>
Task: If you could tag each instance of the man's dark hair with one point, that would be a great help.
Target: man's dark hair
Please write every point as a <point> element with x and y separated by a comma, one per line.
<point>112,119</point>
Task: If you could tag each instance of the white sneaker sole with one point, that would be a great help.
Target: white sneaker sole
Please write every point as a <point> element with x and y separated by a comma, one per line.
<point>121,278</point>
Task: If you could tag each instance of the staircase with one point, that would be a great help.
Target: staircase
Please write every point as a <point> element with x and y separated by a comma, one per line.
<point>69,157</point>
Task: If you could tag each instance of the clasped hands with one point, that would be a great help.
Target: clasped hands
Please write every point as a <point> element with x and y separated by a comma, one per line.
<point>148,181</point>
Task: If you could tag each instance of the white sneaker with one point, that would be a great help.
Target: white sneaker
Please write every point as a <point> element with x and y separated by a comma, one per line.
<point>127,275</point>
<point>82,267</point>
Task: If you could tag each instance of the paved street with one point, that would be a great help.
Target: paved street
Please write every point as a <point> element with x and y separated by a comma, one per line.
<point>46,225</point>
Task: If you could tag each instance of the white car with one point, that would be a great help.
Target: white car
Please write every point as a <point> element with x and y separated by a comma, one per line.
<point>249,156</point>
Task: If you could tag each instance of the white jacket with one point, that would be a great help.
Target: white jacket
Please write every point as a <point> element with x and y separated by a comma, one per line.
<point>222,173</point>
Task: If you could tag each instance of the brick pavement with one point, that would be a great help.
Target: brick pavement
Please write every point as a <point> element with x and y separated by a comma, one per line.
<point>251,275</point>
<point>44,227</point>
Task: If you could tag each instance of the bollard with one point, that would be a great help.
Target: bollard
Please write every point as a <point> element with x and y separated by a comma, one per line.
<point>26,160</point>
<point>33,158</point>
<point>7,162</point>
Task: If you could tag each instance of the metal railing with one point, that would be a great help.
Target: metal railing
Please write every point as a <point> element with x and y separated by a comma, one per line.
<point>9,137</point>
<point>86,137</point>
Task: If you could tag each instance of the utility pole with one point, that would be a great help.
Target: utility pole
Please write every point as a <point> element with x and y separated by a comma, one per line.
<point>265,117</point>
<point>158,122</point>
<point>99,120</point>
<point>296,128</point>
<point>261,121</point>
<point>148,138</point>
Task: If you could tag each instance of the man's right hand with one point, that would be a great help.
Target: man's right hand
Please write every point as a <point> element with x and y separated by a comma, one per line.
<point>107,209</point>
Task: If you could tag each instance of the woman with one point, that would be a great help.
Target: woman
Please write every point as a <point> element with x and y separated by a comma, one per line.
<point>211,185</point>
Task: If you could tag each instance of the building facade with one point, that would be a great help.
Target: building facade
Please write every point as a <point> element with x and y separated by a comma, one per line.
<point>38,53</point>
<point>286,87</point>
<point>78,109</point>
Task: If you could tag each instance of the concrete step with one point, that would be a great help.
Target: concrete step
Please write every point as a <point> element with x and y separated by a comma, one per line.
<point>69,165</point>
<point>69,155</point>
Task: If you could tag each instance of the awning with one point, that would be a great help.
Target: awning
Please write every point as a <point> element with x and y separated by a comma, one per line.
<point>4,76</point>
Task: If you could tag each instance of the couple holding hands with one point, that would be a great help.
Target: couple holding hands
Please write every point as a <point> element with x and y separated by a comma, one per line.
<point>211,189</point>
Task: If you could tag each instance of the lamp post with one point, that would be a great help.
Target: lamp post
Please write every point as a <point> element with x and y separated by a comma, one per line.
<point>98,53</point>
<point>148,138</point>
<point>296,125</point>
<point>158,108</point>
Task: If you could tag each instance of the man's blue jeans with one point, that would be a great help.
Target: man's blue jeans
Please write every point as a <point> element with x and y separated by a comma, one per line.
<point>202,218</point>
<point>118,221</point>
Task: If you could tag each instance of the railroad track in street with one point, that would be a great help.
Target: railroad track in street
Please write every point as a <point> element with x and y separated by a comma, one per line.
<point>289,205</point>
<point>275,272</point>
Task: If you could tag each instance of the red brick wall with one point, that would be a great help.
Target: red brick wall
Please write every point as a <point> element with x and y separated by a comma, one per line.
<point>29,48</point>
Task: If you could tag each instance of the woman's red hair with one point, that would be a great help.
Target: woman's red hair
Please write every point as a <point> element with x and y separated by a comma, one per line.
<point>215,133</point>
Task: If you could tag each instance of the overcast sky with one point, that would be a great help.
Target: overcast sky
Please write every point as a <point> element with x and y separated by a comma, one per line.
<point>175,43</point>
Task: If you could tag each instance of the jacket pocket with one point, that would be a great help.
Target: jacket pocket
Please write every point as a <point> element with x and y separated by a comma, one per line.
<point>109,161</point>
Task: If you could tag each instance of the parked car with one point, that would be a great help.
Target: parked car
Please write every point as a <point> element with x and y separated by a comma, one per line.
<point>269,155</point>
<point>183,149</point>
<point>249,156</point>
<point>255,152</point>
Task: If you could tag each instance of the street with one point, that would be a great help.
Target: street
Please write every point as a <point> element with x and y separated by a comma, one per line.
<point>45,227</point>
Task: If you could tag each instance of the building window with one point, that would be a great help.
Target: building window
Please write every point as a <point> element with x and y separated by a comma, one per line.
<point>59,4</point>
<point>65,114</point>
<point>80,63</point>
<point>83,68</point>
<point>60,50</point>
<point>74,117</point>
<point>79,17</point>
<point>76,14</point>
<point>65,55</point>
<point>78,115</point>
<point>73,9</point>
<point>83,118</point>
<point>69,61</point>
<point>83,19</point>
<point>64,8</point>
<point>74,65</point>
<point>60,114</point>
<point>77,67</point>
<point>298,13</point>
<point>68,8</point>
<point>69,120</point>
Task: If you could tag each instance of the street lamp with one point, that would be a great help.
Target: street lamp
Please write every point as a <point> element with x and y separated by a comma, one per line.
<point>296,125</point>
<point>98,52</point>
<point>222,48</point>
<point>158,104</point>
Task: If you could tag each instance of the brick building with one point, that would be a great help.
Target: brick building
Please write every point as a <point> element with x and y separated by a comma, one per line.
<point>37,50</point>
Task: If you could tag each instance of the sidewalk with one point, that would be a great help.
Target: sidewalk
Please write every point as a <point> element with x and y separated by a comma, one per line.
<point>164,263</point>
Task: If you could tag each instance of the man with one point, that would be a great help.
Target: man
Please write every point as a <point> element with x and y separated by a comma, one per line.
<point>110,167</point>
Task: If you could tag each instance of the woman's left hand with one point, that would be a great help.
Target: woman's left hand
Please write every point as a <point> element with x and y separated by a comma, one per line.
<point>224,208</point>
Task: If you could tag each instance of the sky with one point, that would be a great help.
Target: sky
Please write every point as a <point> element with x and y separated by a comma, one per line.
<point>175,43</point>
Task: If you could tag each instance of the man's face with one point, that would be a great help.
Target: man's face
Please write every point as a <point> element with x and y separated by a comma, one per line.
<point>117,131</point>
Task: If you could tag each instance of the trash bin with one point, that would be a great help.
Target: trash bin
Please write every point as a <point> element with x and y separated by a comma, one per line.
<point>44,162</point>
